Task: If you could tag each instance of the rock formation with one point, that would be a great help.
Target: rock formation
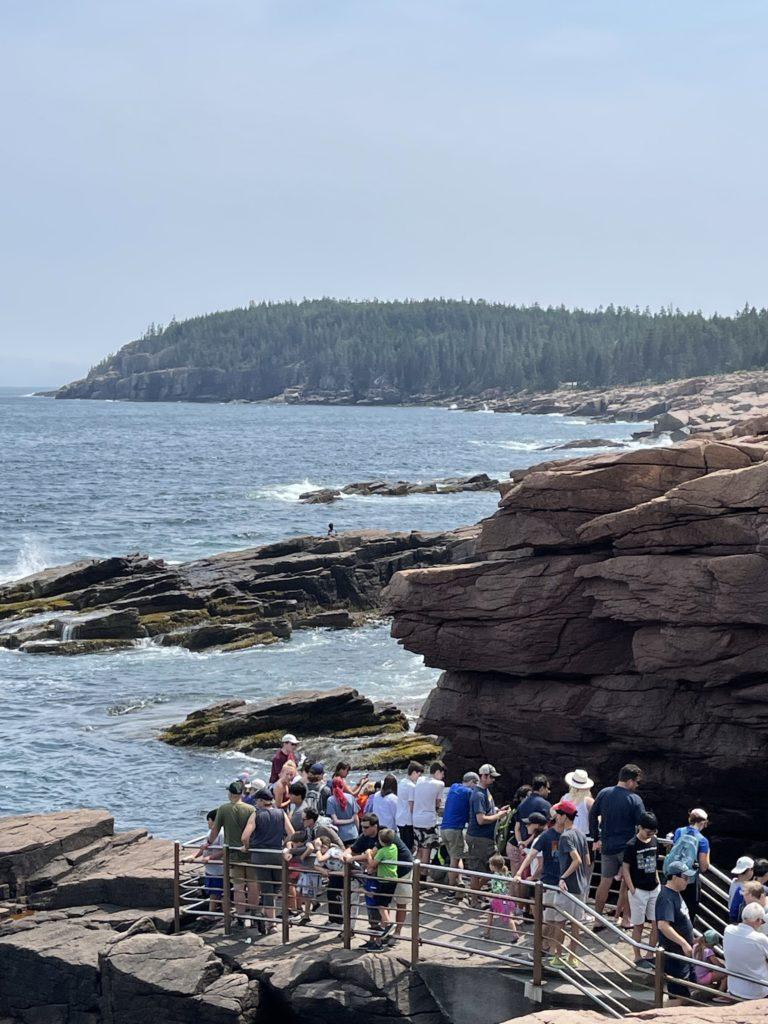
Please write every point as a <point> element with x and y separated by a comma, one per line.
<point>333,724</point>
<point>402,488</point>
<point>753,1012</point>
<point>229,601</point>
<point>620,615</point>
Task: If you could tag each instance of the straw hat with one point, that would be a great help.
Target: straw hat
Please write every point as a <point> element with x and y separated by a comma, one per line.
<point>578,779</point>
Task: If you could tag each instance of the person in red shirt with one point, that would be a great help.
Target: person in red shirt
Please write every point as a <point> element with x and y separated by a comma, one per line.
<point>287,752</point>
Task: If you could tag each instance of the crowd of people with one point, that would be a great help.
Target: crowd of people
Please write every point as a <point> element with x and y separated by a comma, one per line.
<point>389,829</point>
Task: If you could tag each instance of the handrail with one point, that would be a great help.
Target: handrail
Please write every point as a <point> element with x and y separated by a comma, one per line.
<point>429,913</point>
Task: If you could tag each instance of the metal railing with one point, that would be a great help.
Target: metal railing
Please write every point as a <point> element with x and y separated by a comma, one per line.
<point>441,907</point>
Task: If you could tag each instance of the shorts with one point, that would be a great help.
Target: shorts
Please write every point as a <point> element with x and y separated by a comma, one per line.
<point>269,874</point>
<point>406,834</point>
<point>404,889</point>
<point>610,864</point>
<point>642,905</point>
<point>426,838</point>
<point>550,915</point>
<point>454,842</point>
<point>214,885</point>
<point>501,907</point>
<point>309,883</point>
<point>564,902</point>
<point>480,849</point>
<point>379,891</point>
<point>238,872</point>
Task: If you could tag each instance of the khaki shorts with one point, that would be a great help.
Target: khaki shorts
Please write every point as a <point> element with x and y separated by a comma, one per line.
<point>550,902</point>
<point>565,903</point>
<point>238,872</point>
<point>403,889</point>
<point>454,842</point>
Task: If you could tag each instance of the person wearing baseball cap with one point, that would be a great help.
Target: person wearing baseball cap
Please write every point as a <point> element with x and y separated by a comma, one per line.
<point>483,816</point>
<point>698,819</point>
<point>233,817</point>
<point>743,871</point>
<point>456,817</point>
<point>575,868</point>
<point>289,746</point>
<point>675,929</point>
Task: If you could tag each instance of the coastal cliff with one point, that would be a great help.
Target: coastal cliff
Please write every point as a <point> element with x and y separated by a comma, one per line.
<point>620,614</point>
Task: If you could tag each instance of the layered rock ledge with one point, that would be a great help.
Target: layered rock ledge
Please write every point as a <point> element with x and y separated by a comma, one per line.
<point>619,614</point>
<point>228,602</point>
<point>403,488</point>
<point>332,724</point>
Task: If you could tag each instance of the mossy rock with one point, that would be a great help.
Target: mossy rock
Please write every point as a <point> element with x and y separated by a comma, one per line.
<point>34,606</point>
<point>371,730</point>
<point>159,623</point>
<point>70,648</point>
<point>257,640</point>
<point>396,753</point>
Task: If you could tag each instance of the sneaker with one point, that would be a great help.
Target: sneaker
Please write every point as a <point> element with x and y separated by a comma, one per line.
<point>572,961</point>
<point>645,965</point>
<point>555,963</point>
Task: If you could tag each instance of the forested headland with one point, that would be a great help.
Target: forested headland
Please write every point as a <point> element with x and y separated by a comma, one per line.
<point>401,351</point>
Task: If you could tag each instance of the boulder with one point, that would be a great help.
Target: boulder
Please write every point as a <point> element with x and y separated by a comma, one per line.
<point>107,623</point>
<point>322,497</point>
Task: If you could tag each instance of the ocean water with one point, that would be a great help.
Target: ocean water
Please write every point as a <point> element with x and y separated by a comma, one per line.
<point>181,481</point>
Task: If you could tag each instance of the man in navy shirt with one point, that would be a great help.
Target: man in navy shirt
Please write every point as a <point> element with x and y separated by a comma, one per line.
<point>535,803</point>
<point>614,817</point>
<point>456,817</point>
<point>482,824</point>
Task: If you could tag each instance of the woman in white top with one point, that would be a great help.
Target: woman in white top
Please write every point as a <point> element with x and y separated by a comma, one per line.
<point>580,793</point>
<point>384,803</point>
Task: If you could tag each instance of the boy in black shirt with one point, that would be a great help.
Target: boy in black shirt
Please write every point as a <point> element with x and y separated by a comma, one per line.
<point>640,875</point>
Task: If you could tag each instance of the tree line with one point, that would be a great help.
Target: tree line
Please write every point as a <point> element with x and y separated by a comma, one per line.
<point>442,347</point>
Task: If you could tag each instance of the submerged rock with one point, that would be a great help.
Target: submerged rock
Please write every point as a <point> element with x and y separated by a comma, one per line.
<point>401,488</point>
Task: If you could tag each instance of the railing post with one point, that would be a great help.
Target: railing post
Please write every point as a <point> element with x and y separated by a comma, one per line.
<point>285,908</point>
<point>658,978</point>
<point>226,892</point>
<point>176,888</point>
<point>538,934</point>
<point>346,906</point>
<point>415,917</point>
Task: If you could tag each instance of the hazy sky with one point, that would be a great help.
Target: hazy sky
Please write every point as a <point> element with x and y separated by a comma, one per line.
<point>173,157</point>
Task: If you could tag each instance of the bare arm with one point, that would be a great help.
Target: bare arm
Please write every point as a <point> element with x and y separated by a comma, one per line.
<point>669,932</point>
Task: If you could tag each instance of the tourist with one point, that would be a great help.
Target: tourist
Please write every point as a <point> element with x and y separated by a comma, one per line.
<point>428,797</point>
<point>545,847</point>
<point>297,796</point>
<point>507,843</point>
<point>575,868</point>
<point>742,872</point>
<point>753,892</point>
<point>280,789</point>
<point>331,857</point>
<point>613,820</point>
<point>746,952</point>
<point>382,863</point>
<point>318,789</point>
<point>501,905</point>
<point>308,831</point>
<point>288,752</point>
<point>535,803</point>
<point>331,531</point>
<point>342,810</point>
<point>384,803</point>
<point>369,825</point>
<point>214,867</point>
<point>234,817</point>
<point>483,816</point>
<point>580,793</point>
<point>536,824</point>
<point>251,788</point>
<point>341,771</point>
<point>704,951</point>
<point>760,872</point>
<point>696,854</point>
<point>264,834</point>
<point>455,818</point>
<point>640,874</point>
<point>365,793</point>
<point>675,928</point>
<point>310,881</point>
<point>405,789</point>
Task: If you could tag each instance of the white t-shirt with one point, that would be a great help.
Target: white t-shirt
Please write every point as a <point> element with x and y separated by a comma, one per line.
<point>746,951</point>
<point>427,797</point>
<point>405,790</point>
<point>384,807</point>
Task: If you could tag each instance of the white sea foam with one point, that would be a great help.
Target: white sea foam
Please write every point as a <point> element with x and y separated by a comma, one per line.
<point>32,557</point>
<point>286,492</point>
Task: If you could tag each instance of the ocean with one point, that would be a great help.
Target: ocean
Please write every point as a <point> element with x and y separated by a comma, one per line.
<point>180,481</point>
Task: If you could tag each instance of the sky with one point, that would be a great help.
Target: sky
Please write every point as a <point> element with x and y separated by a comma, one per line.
<point>164,158</point>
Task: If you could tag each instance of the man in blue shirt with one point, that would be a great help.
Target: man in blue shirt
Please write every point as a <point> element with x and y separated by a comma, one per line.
<point>614,817</point>
<point>535,803</point>
<point>482,824</point>
<point>456,817</point>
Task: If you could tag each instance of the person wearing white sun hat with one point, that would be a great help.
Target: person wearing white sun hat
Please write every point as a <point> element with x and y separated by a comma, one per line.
<point>580,793</point>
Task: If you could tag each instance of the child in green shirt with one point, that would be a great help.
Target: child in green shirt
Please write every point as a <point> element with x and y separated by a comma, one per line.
<point>384,864</point>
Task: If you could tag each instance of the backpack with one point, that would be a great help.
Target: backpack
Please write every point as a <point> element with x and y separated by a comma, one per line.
<point>504,829</point>
<point>684,850</point>
<point>317,797</point>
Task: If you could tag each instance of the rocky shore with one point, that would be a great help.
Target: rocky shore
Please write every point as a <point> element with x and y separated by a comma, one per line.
<point>227,602</point>
<point>617,613</point>
<point>402,488</point>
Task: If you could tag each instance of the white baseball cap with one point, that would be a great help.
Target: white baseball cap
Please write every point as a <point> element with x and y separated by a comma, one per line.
<point>289,738</point>
<point>488,769</point>
<point>742,864</point>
